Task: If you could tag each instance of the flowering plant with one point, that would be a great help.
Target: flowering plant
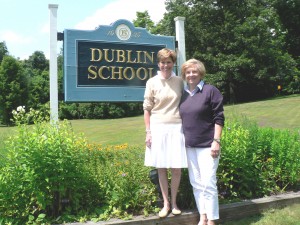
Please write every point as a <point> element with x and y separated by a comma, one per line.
<point>20,116</point>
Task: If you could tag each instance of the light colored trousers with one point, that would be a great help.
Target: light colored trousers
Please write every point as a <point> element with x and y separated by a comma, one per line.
<point>202,169</point>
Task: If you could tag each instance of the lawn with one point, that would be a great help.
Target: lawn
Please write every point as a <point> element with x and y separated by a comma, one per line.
<point>282,112</point>
<point>112,131</point>
<point>289,215</point>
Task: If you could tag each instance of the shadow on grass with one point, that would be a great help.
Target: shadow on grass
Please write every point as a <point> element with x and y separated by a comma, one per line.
<point>248,221</point>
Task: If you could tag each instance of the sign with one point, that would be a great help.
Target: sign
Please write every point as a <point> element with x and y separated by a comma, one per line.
<point>111,63</point>
<point>115,64</point>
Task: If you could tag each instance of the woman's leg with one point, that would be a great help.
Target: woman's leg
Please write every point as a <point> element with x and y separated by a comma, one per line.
<point>163,182</point>
<point>175,182</point>
<point>195,178</point>
<point>203,219</point>
<point>202,173</point>
<point>196,182</point>
<point>208,167</point>
<point>211,222</point>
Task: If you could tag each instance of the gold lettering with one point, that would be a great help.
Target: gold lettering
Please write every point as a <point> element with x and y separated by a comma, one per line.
<point>100,72</point>
<point>138,56</point>
<point>132,73</point>
<point>150,72</point>
<point>92,72</point>
<point>113,73</point>
<point>119,73</point>
<point>106,55</point>
<point>150,57</point>
<point>93,53</point>
<point>121,56</point>
<point>107,70</point>
<point>129,60</point>
<point>145,72</point>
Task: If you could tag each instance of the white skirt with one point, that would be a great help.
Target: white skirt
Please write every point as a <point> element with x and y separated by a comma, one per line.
<point>167,148</point>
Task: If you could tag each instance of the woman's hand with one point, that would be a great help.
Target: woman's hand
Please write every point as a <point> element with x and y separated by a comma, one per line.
<point>148,140</point>
<point>215,149</point>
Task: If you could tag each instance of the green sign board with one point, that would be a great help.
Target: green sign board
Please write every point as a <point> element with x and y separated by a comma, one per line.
<point>111,63</point>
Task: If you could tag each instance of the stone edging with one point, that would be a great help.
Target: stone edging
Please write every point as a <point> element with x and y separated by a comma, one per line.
<point>232,211</point>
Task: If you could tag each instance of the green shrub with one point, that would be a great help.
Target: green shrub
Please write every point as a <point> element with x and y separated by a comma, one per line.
<point>46,172</point>
<point>284,158</point>
<point>103,110</point>
<point>233,172</point>
<point>257,161</point>
<point>121,173</point>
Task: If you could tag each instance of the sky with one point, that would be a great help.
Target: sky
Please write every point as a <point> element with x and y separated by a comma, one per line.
<point>24,24</point>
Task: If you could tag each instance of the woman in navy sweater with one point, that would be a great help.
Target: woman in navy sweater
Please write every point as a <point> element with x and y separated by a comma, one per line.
<point>202,113</point>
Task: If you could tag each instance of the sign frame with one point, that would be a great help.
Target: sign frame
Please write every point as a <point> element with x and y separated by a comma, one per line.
<point>121,32</point>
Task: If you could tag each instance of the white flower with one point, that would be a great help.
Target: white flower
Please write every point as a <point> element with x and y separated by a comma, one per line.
<point>21,108</point>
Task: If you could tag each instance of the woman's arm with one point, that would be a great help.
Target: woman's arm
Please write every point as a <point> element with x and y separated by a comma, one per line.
<point>147,125</point>
<point>216,145</point>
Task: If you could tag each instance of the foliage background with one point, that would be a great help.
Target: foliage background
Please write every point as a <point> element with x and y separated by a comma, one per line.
<point>245,45</point>
<point>249,49</point>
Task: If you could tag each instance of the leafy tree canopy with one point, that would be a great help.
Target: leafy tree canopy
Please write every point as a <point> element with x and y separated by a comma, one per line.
<point>13,87</point>
<point>3,50</point>
<point>241,42</point>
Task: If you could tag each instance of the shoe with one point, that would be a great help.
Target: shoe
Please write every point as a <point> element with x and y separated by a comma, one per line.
<point>163,213</point>
<point>176,211</point>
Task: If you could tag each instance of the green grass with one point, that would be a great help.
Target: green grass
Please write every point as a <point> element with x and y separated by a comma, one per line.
<point>282,112</point>
<point>112,131</point>
<point>289,215</point>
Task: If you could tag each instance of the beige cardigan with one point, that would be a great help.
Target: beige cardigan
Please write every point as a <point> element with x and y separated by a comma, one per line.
<point>162,98</point>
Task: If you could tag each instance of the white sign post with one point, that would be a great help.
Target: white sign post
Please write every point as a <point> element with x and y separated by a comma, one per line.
<point>53,64</point>
<point>180,38</point>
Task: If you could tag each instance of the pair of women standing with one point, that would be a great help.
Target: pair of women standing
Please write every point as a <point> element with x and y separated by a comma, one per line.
<point>183,129</point>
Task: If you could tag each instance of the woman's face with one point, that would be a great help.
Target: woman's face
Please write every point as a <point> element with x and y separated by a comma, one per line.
<point>192,76</point>
<point>166,65</point>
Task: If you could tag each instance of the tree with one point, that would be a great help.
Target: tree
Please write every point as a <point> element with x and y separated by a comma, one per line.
<point>3,50</point>
<point>174,8</point>
<point>143,20</point>
<point>289,13</point>
<point>241,43</point>
<point>13,88</point>
<point>39,90</point>
<point>36,70</point>
<point>37,61</point>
